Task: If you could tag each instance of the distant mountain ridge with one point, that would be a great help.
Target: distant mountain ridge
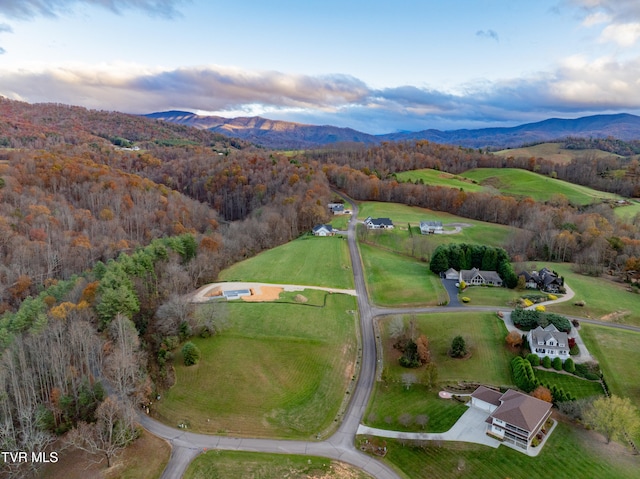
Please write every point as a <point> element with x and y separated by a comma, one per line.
<point>283,134</point>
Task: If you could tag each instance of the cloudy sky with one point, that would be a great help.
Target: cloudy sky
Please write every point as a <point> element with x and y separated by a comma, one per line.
<point>374,65</point>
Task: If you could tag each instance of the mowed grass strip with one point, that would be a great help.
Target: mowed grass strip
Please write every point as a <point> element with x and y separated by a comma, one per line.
<point>395,280</point>
<point>484,334</point>
<point>517,182</point>
<point>439,178</point>
<point>308,260</point>
<point>589,459</point>
<point>235,464</point>
<point>279,370</point>
<point>604,299</point>
<point>391,400</point>
<point>491,296</point>
<point>618,353</point>
<point>477,232</point>
<point>577,387</point>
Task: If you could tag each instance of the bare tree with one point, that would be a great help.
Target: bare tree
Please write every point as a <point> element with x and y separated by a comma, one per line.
<point>422,420</point>
<point>172,313</point>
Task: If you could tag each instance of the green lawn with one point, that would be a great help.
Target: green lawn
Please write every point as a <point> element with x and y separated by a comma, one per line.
<point>628,212</point>
<point>308,260</point>
<point>340,222</point>
<point>399,239</point>
<point>484,334</point>
<point>240,465</point>
<point>279,370</point>
<point>390,400</point>
<point>395,280</point>
<point>568,454</point>
<point>513,181</point>
<point>577,387</point>
<point>488,296</point>
<point>602,297</point>
<point>439,178</point>
<point>618,353</point>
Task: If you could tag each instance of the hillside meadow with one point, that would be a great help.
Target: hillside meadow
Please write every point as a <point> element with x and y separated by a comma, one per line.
<point>308,260</point>
<point>439,178</point>
<point>553,152</point>
<point>290,366</point>
<point>523,183</point>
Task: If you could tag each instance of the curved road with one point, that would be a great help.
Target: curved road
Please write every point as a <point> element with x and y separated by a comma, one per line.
<point>340,446</point>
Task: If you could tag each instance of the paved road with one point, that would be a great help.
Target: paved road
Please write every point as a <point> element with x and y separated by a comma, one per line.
<point>340,446</point>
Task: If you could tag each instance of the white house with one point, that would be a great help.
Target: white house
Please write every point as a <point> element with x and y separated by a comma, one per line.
<point>431,227</point>
<point>378,223</point>
<point>549,342</point>
<point>323,230</point>
<point>336,208</point>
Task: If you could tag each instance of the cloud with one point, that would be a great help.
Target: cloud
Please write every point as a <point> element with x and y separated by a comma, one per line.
<point>29,9</point>
<point>624,34</point>
<point>490,34</point>
<point>621,19</point>
<point>578,86</point>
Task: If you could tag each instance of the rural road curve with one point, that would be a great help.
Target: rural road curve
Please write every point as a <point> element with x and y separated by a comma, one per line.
<point>340,446</point>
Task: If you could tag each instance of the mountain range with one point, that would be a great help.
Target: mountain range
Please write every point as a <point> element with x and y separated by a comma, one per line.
<point>283,134</point>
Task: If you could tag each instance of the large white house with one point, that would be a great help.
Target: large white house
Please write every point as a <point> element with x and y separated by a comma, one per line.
<point>431,227</point>
<point>549,342</point>
<point>378,223</point>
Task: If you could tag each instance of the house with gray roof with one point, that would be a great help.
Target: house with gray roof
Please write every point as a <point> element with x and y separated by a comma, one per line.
<point>514,417</point>
<point>548,342</point>
<point>378,223</point>
<point>476,277</point>
<point>323,230</point>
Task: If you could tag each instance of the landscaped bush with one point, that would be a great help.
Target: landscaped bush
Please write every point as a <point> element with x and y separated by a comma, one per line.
<point>523,375</point>
<point>546,362</point>
<point>534,359</point>
<point>557,364</point>
<point>569,366</point>
<point>552,297</point>
<point>540,308</point>
<point>575,350</point>
<point>465,299</point>
<point>527,319</point>
<point>190,354</point>
<point>527,302</point>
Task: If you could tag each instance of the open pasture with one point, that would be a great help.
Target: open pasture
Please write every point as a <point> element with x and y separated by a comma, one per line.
<point>439,178</point>
<point>308,260</point>
<point>279,370</point>
<point>553,152</point>
<point>523,183</point>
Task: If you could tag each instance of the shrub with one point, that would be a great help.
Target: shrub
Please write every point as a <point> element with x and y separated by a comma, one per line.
<point>541,308</point>
<point>575,350</point>
<point>410,357</point>
<point>546,362</point>
<point>534,359</point>
<point>552,297</point>
<point>569,366</point>
<point>592,376</point>
<point>557,364</point>
<point>523,375</point>
<point>465,299</point>
<point>190,354</point>
<point>458,347</point>
<point>527,303</point>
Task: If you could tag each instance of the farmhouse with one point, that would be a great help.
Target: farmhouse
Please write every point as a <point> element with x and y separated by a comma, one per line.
<point>514,417</point>
<point>323,230</point>
<point>431,227</point>
<point>476,277</point>
<point>378,223</point>
<point>549,342</point>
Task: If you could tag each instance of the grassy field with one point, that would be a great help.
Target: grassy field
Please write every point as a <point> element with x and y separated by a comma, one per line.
<point>554,152</point>
<point>439,178</point>
<point>308,260</point>
<point>395,280</point>
<point>577,387</point>
<point>618,353</point>
<point>484,334</point>
<point>390,400</point>
<point>340,222</point>
<point>240,465</point>
<point>628,212</point>
<point>290,366</point>
<point>487,296</point>
<point>602,298</point>
<point>589,457</point>
<point>477,232</point>
<point>513,181</point>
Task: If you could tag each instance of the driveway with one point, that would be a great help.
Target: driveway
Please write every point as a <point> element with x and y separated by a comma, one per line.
<point>452,290</point>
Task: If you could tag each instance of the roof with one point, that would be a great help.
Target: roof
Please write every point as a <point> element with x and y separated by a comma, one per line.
<point>550,332</point>
<point>492,276</point>
<point>487,395</point>
<point>522,411</point>
<point>435,224</point>
<point>450,270</point>
<point>379,221</point>
<point>317,228</point>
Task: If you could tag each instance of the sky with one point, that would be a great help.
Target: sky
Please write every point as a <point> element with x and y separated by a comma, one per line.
<point>375,66</point>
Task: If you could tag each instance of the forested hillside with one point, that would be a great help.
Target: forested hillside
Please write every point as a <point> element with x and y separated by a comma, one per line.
<point>108,220</point>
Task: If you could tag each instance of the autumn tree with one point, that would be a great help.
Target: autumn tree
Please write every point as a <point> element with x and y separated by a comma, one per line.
<point>422,344</point>
<point>514,339</point>
<point>542,393</point>
<point>615,417</point>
